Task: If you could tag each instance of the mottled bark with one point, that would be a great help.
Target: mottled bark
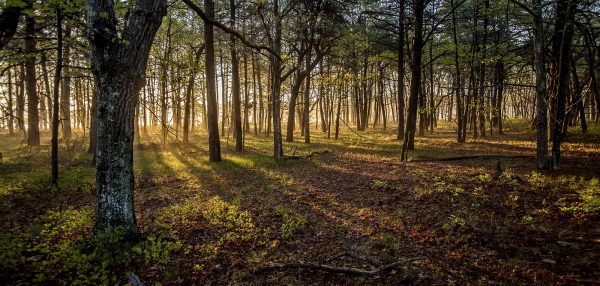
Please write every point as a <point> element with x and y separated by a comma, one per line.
<point>119,65</point>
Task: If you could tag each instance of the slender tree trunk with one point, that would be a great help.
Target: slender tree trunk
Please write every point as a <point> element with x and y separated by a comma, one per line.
<point>65,92</point>
<point>541,88</point>
<point>578,98</point>
<point>11,115</point>
<point>562,51</point>
<point>276,84</point>
<point>21,100</point>
<point>482,70</point>
<point>189,96</point>
<point>33,119</point>
<point>459,85</point>
<point>164,86</point>
<point>261,107</point>
<point>307,98</point>
<point>214,144</point>
<point>415,82</point>
<point>55,106</point>
<point>246,96</point>
<point>235,86</point>
<point>254,121</point>
<point>44,109</point>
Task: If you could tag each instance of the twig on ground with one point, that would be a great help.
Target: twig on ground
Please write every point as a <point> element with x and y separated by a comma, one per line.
<point>333,269</point>
<point>471,157</point>
<point>307,156</point>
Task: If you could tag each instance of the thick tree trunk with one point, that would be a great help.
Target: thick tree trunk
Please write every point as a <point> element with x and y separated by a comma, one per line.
<point>119,70</point>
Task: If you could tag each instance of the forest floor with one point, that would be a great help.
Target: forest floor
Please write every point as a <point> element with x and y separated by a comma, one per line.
<point>491,219</point>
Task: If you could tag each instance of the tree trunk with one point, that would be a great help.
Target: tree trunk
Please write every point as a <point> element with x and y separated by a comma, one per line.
<point>307,98</point>
<point>65,92</point>
<point>33,119</point>
<point>214,145</point>
<point>189,96</point>
<point>11,115</point>
<point>276,84</point>
<point>459,93</point>
<point>55,95</point>
<point>561,50</point>
<point>415,82</point>
<point>482,70</point>
<point>119,70</point>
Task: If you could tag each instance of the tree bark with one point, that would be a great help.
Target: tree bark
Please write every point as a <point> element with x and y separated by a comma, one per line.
<point>415,82</point>
<point>235,86</point>
<point>65,92</point>
<point>307,98</point>
<point>561,50</point>
<point>11,115</point>
<point>118,65</point>
<point>214,144</point>
<point>459,93</point>
<point>276,84</point>
<point>55,106</point>
<point>33,119</point>
<point>189,96</point>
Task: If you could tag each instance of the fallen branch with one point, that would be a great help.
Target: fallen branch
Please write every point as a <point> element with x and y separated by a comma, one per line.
<point>307,156</point>
<point>333,269</point>
<point>472,157</point>
<point>348,254</point>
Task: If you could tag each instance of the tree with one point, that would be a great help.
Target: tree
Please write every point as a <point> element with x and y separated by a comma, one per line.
<point>235,86</point>
<point>415,81</point>
<point>119,62</point>
<point>276,82</point>
<point>214,144</point>
<point>33,119</point>
<point>55,97</point>
<point>561,51</point>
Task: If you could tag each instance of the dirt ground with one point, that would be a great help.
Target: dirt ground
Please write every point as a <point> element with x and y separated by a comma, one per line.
<point>473,213</point>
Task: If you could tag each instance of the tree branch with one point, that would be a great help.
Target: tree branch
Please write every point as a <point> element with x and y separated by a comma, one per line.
<point>226,29</point>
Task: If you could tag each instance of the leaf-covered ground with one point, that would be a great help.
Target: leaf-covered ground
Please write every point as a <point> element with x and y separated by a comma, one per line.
<point>492,219</point>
